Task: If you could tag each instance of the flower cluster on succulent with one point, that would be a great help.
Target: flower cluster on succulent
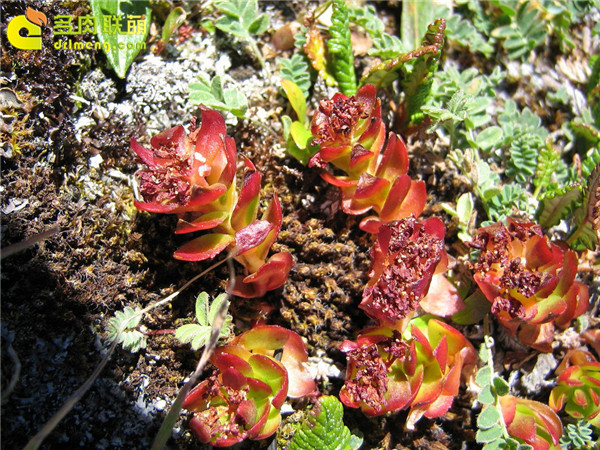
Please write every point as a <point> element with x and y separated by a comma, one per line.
<point>194,176</point>
<point>243,396</point>
<point>352,136</point>
<point>404,259</point>
<point>420,368</point>
<point>529,280</point>
<point>578,387</point>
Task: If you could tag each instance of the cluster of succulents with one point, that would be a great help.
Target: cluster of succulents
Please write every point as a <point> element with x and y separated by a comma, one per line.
<point>243,396</point>
<point>529,280</point>
<point>194,176</point>
<point>409,359</point>
<point>352,136</point>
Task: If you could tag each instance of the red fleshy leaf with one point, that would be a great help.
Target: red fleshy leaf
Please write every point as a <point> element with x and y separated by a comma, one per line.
<point>147,156</point>
<point>204,247</point>
<point>247,205</point>
<point>252,235</point>
<point>395,158</point>
<point>188,223</point>
<point>271,275</point>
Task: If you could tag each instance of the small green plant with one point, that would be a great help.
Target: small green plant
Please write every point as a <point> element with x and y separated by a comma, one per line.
<point>197,335</point>
<point>213,94</point>
<point>297,70</point>
<point>297,133</point>
<point>324,429</point>
<point>173,21</point>
<point>525,31</point>
<point>130,338</point>
<point>122,41</point>
<point>577,436</point>
<point>241,19</point>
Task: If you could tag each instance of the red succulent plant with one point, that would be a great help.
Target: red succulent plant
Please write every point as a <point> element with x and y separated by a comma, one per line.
<point>531,422</point>
<point>351,136</point>
<point>419,369</point>
<point>243,396</point>
<point>529,280</point>
<point>405,258</point>
<point>578,387</point>
<point>193,176</point>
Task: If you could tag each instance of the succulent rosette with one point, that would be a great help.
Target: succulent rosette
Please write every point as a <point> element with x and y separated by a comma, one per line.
<point>531,422</point>
<point>405,258</point>
<point>418,369</point>
<point>351,136</point>
<point>529,280</point>
<point>243,396</point>
<point>194,176</point>
<point>578,388</point>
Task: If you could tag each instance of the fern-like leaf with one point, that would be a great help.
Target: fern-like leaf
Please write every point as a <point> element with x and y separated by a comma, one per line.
<point>587,216</point>
<point>198,334</point>
<point>325,429</point>
<point>523,158</point>
<point>127,320</point>
<point>340,47</point>
<point>547,164</point>
<point>557,204</point>
<point>296,69</point>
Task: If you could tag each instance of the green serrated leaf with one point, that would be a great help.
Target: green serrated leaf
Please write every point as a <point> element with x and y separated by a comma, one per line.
<point>557,204</point>
<point>126,40</point>
<point>325,429</point>
<point>340,47</point>
<point>216,305</point>
<point>297,69</point>
<point>488,417</point>
<point>198,334</point>
<point>489,435</point>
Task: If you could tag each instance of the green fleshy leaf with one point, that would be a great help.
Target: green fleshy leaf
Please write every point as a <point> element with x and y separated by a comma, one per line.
<point>488,417</point>
<point>296,97</point>
<point>486,396</point>
<point>174,20</point>
<point>489,434</point>
<point>500,386</point>
<point>122,46</point>
<point>557,204</point>
<point>325,429</point>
